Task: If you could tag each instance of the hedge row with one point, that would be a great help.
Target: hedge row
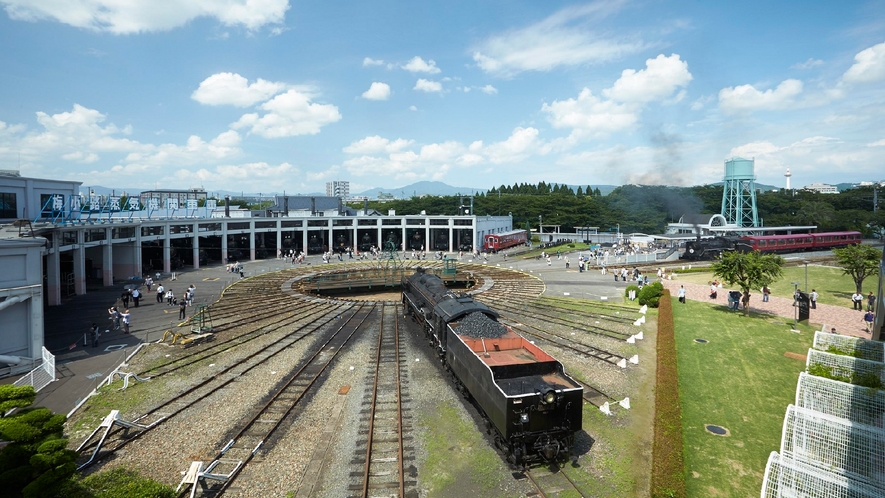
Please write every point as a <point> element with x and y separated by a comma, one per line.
<point>668,465</point>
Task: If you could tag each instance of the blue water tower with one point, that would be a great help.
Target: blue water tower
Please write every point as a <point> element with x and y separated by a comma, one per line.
<point>739,193</point>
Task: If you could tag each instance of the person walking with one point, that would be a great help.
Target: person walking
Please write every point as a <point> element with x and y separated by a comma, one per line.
<point>148,282</point>
<point>124,297</point>
<point>160,293</point>
<point>190,295</point>
<point>136,296</point>
<point>115,317</point>
<point>681,294</point>
<point>169,297</point>
<point>125,317</point>
<point>871,302</point>
<point>868,318</point>
<point>182,309</point>
<point>813,297</point>
<point>95,335</point>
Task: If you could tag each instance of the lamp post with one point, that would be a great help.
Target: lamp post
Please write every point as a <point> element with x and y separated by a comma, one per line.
<point>806,275</point>
<point>795,304</point>
<point>618,240</point>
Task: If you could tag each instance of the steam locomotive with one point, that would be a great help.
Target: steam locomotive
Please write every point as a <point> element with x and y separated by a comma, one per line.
<point>703,249</point>
<point>530,405</point>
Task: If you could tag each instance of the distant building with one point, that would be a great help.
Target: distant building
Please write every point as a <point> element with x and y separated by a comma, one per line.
<point>338,189</point>
<point>822,188</point>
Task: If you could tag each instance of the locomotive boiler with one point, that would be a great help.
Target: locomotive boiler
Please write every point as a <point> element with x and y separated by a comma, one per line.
<point>528,401</point>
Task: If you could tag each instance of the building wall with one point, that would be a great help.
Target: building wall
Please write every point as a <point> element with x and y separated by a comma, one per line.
<point>28,191</point>
<point>21,299</point>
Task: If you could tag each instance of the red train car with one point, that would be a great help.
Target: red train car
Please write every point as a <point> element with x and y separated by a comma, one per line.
<point>802,241</point>
<point>497,241</point>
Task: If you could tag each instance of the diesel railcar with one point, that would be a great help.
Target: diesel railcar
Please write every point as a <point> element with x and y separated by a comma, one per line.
<point>499,241</point>
<point>527,399</point>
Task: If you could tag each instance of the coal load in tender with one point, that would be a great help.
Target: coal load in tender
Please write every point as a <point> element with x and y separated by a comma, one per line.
<point>480,326</point>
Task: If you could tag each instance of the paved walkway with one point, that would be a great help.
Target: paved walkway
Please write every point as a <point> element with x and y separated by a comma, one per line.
<point>846,320</point>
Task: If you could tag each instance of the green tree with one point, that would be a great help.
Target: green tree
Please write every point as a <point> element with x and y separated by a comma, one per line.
<point>36,462</point>
<point>859,262</point>
<point>750,270</point>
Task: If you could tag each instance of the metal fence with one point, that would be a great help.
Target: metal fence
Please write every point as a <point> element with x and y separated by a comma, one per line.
<point>41,376</point>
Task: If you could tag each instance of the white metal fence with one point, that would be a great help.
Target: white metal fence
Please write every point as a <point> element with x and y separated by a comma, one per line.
<point>841,399</point>
<point>845,366</point>
<point>41,376</point>
<point>786,477</point>
<point>856,451</point>
<point>855,346</point>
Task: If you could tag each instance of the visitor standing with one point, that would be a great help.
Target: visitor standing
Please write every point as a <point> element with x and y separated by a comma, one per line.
<point>124,297</point>
<point>136,296</point>
<point>148,282</point>
<point>871,302</point>
<point>857,300</point>
<point>766,293</point>
<point>813,297</point>
<point>868,318</point>
<point>160,293</point>
<point>125,317</point>
<point>95,335</point>
<point>681,294</point>
<point>182,309</point>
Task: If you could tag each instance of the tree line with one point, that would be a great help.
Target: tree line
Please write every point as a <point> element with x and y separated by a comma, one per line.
<point>648,209</point>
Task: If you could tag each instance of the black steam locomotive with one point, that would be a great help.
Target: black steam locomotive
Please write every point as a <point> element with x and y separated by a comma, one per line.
<point>706,249</point>
<point>524,394</point>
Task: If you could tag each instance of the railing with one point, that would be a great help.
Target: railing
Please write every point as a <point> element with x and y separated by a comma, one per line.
<point>41,376</point>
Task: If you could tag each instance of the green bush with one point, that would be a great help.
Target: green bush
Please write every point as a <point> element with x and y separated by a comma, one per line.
<point>651,294</point>
<point>118,483</point>
<point>668,463</point>
<point>631,288</point>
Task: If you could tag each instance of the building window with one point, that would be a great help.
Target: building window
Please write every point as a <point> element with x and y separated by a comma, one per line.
<point>8,207</point>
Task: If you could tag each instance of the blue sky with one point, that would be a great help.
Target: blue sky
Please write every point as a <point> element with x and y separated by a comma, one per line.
<point>275,95</point>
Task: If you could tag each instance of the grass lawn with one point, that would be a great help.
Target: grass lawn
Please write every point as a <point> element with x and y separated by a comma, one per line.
<point>739,380</point>
<point>833,286</point>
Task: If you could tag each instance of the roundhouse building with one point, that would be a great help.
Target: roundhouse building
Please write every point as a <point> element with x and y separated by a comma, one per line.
<point>73,240</point>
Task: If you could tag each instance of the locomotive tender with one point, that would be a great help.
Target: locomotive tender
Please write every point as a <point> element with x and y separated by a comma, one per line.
<point>524,394</point>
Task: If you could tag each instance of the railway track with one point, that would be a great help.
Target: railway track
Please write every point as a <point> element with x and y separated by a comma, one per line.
<point>265,421</point>
<point>500,304</point>
<point>202,390</point>
<point>216,348</point>
<point>552,483</point>
<point>582,349</point>
<point>382,456</point>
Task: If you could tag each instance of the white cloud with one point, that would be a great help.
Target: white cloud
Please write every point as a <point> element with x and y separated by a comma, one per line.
<point>521,143</point>
<point>810,63</point>
<point>746,98</point>
<point>376,145</point>
<point>877,143</point>
<point>413,108</point>
<point>417,65</point>
<point>378,91</point>
<point>81,157</point>
<point>661,77</point>
<point>128,16</point>
<point>489,89</point>
<point>288,115</point>
<point>590,114</point>
<point>868,67</point>
<point>428,86</point>
<point>368,61</point>
<point>233,89</point>
<point>562,39</point>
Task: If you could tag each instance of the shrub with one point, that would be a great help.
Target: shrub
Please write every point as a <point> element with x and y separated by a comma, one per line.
<point>119,483</point>
<point>668,465</point>
<point>631,288</point>
<point>651,294</point>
